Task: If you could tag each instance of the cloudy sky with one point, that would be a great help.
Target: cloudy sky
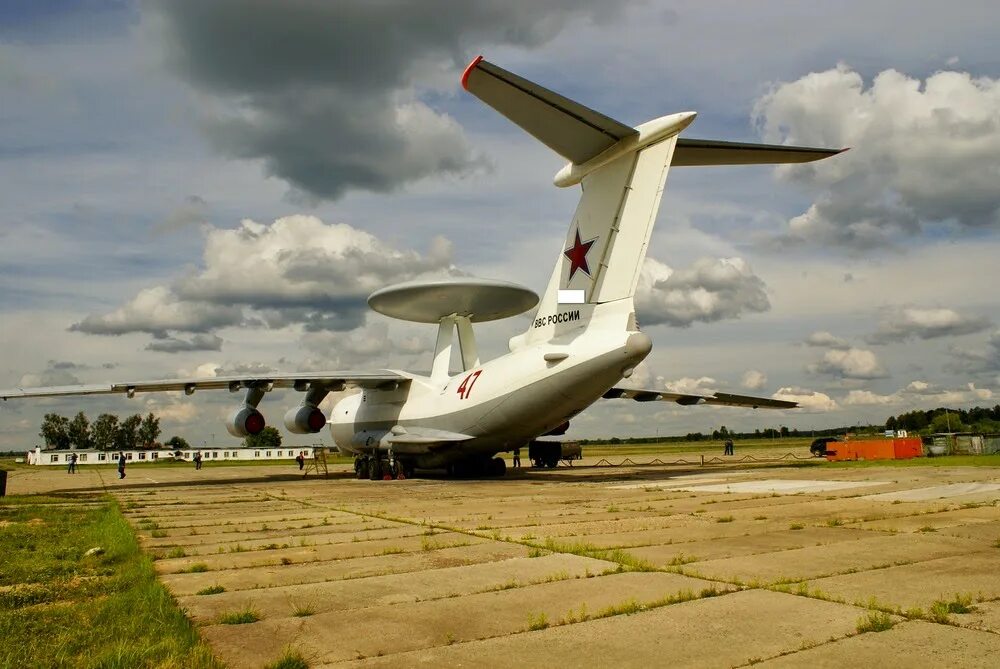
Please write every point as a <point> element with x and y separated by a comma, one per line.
<point>195,188</point>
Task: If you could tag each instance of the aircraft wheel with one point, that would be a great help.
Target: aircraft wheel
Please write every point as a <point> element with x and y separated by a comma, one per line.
<point>374,469</point>
<point>497,467</point>
<point>361,467</point>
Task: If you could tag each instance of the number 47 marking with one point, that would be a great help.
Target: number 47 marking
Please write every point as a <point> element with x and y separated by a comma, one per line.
<point>465,389</point>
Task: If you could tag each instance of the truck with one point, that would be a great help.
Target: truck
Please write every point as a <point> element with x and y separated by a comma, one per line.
<point>549,453</point>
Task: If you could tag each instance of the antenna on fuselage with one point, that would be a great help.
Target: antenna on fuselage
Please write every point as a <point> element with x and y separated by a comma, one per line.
<point>454,304</point>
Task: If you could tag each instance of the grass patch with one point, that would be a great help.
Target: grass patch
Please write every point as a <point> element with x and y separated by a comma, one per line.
<point>303,610</point>
<point>796,526</point>
<point>941,609</point>
<point>177,552</point>
<point>158,534</point>
<point>927,528</point>
<point>834,522</point>
<point>875,621</point>
<point>242,616</point>
<point>43,563</point>
<point>939,461</point>
<point>724,519</point>
<point>196,568</point>
<point>539,622</point>
<point>291,659</point>
<point>211,590</point>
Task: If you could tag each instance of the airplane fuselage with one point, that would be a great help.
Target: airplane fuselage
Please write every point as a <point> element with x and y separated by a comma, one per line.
<point>501,404</point>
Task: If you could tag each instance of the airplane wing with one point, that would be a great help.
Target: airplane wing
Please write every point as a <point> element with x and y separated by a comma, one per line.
<point>331,381</point>
<point>719,399</point>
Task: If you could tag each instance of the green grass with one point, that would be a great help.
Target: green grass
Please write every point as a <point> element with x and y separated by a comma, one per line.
<point>43,564</point>
<point>724,519</point>
<point>196,568</point>
<point>211,590</point>
<point>875,621</point>
<point>242,616</point>
<point>291,659</point>
<point>303,610</point>
<point>941,609</point>
<point>539,622</point>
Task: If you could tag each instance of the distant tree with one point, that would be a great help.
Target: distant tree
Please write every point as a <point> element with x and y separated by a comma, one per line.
<point>269,437</point>
<point>127,435</point>
<point>104,432</point>
<point>148,431</point>
<point>694,436</point>
<point>177,443</point>
<point>947,422</point>
<point>79,431</point>
<point>723,432</point>
<point>784,431</point>
<point>55,431</point>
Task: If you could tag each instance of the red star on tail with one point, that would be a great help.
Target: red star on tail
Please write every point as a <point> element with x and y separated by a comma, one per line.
<point>577,255</point>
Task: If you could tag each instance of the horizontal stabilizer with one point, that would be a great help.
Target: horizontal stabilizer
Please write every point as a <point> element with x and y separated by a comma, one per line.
<point>575,132</point>
<point>718,399</point>
<point>692,152</point>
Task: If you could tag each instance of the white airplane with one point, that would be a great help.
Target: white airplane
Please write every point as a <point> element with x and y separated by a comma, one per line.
<point>583,340</point>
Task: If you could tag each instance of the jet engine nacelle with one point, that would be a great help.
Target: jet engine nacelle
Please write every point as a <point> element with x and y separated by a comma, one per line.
<point>304,419</point>
<point>245,422</point>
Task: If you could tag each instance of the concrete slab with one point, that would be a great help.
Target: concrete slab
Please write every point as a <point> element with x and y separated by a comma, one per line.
<point>910,644</point>
<point>270,576</point>
<point>317,553</point>
<point>410,587</point>
<point>984,616</point>
<point>949,491</point>
<point>780,486</point>
<point>752,544</point>
<point>920,584</point>
<point>405,627</point>
<point>722,631</point>
<point>815,561</point>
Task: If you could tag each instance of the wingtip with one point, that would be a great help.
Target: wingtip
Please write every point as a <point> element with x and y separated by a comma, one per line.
<point>468,70</point>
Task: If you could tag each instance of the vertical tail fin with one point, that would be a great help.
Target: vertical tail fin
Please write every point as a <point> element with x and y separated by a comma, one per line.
<point>622,172</point>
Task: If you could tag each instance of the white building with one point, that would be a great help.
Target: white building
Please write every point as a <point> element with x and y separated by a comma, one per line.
<point>91,457</point>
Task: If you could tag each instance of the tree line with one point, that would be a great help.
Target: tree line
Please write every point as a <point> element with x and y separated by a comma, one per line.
<point>983,420</point>
<point>106,433</point>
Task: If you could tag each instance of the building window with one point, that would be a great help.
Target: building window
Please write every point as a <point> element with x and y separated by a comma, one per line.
<point>215,454</point>
<point>83,457</point>
<point>269,454</point>
<point>142,456</point>
<point>102,456</point>
<point>128,456</point>
<point>256,454</point>
<point>53,458</point>
<point>154,456</point>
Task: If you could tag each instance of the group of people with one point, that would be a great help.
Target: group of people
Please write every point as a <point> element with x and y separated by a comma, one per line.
<point>728,448</point>
<point>300,459</point>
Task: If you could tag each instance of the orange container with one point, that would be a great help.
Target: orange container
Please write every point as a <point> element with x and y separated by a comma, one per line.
<point>908,447</point>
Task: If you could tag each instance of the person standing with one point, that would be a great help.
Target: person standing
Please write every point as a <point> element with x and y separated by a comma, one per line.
<point>197,460</point>
<point>517,458</point>
<point>72,463</point>
<point>729,447</point>
<point>121,465</point>
<point>301,460</point>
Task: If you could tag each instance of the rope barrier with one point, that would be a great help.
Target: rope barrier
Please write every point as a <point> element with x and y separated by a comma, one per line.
<point>714,460</point>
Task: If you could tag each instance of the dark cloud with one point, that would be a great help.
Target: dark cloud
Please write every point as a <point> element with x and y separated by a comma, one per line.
<point>326,93</point>
<point>710,290</point>
<point>977,360</point>
<point>193,212</point>
<point>199,342</point>
<point>913,323</point>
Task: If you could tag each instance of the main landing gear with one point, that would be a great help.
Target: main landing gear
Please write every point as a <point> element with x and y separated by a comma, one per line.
<point>382,469</point>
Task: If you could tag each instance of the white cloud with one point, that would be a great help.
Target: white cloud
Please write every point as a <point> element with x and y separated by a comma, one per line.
<point>708,291</point>
<point>923,153</point>
<point>868,398</point>
<point>811,401</point>
<point>691,386</point>
<point>911,322</point>
<point>853,363</point>
<point>827,340</point>
<point>754,379</point>
<point>297,270</point>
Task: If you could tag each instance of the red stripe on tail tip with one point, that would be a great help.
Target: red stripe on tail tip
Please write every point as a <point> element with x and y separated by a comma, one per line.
<point>468,71</point>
